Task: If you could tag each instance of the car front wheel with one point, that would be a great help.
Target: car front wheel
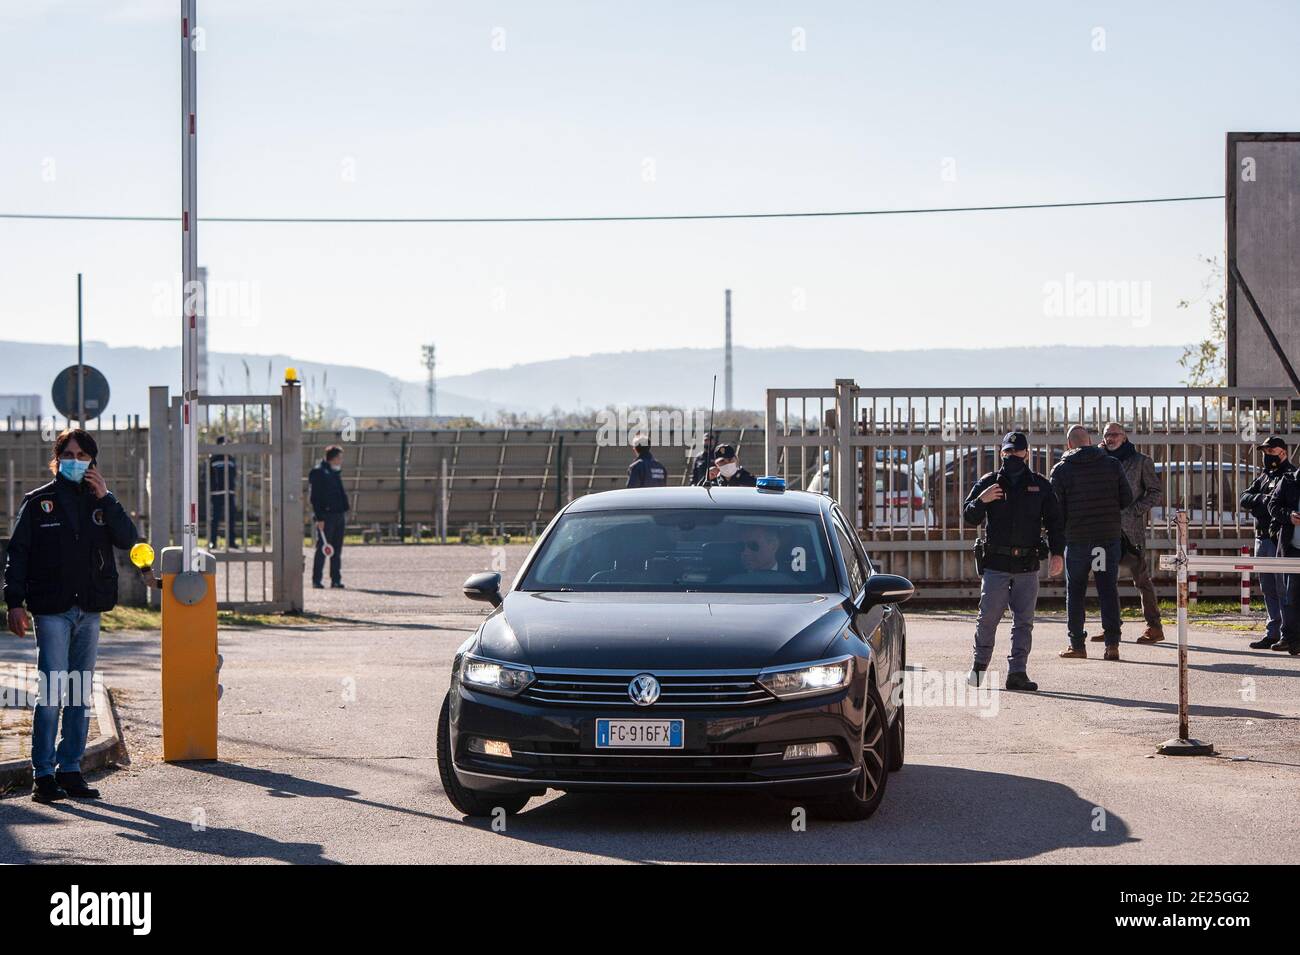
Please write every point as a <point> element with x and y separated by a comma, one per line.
<point>873,773</point>
<point>466,800</point>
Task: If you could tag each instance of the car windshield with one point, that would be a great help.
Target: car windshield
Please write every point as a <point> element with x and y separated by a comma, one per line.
<point>684,550</point>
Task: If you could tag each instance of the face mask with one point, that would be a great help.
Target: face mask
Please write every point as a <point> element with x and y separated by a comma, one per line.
<point>336,467</point>
<point>1012,464</point>
<point>727,470</point>
<point>73,469</point>
<point>1271,462</point>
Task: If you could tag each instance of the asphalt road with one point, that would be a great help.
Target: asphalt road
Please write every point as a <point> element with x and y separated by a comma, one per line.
<point>327,755</point>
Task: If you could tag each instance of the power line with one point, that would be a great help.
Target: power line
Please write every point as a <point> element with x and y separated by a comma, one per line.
<point>400,220</point>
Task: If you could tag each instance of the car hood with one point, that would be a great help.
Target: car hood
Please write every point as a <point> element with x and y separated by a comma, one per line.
<point>662,631</point>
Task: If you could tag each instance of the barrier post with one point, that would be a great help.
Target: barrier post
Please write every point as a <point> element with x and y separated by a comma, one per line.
<point>1183,745</point>
<point>1245,586</point>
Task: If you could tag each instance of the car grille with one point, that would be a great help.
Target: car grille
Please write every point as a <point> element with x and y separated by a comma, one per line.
<point>677,689</point>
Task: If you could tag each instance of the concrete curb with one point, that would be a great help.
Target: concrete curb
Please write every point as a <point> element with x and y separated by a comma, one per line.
<point>106,749</point>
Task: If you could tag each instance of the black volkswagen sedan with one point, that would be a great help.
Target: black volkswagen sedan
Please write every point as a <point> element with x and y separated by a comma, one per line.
<point>669,639</point>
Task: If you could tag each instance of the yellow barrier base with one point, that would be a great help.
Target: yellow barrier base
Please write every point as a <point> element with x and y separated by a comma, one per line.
<point>189,674</point>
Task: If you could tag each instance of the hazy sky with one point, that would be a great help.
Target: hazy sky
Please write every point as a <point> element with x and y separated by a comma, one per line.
<point>400,107</point>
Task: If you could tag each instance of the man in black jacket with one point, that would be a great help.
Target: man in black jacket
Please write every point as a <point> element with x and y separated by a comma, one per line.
<point>1019,505</point>
<point>1274,456</point>
<point>329,505</point>
<point>704,460</point>
<point>1093,492</point>
<point>1284,509</point>
<point>60,564</point>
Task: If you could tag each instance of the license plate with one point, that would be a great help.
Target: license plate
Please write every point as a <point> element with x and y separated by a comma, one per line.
<point>639,734</point>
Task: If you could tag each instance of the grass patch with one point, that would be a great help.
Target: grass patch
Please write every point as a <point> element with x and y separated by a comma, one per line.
<point>146,618</point>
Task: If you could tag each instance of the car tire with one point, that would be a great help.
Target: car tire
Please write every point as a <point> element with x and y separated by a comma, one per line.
<point>869,789</point>
<point>466,800</point>
<point>897,740</point>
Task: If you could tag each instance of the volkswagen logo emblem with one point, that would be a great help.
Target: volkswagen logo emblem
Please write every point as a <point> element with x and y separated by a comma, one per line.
<point>644,689</point>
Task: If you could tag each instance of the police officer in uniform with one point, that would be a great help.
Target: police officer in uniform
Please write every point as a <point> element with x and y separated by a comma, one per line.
<point>645,471</point>
<point>329,505</point>
<point>1275,458</point>
<point>1019,504</point>
<point>1284,508</point>
<point>221,497</point>
<point>727,471</point>
<point>60,564</point>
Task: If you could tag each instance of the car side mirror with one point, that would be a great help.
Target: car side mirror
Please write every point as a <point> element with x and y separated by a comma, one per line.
<point>485,586</point>
<point>885,589</point>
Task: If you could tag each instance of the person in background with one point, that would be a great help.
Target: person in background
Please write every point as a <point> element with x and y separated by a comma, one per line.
<point>222,471</point>
<point>1284,508</point>
<point>727,472</point>
<point>1020,507</point>
<point>645,471</point>
<point>1276,460</point>
<point>1147,493</point>
<point>329,505</point>
<point>1093,492</point>
<point>60,564</point>
<point>704,460</point>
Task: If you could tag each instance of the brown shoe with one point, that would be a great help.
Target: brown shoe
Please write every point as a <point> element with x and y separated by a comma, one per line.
<point>1152,635</point>
<point>1069,653</point>
<point>1112,653</point>
<point>1098,638</point>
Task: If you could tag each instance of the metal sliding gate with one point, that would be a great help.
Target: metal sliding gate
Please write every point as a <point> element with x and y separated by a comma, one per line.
<point>907,458</point>
<point>256,519</point>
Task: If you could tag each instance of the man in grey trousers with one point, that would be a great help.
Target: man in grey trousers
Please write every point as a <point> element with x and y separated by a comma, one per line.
<point>1018,505</point>
<point>1147,493</point>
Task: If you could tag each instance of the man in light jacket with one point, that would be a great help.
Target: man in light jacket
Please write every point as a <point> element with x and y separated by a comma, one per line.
<point>1147,493</point>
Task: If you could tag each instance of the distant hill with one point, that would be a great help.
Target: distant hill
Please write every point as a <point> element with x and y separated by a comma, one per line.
<point>680,377</point>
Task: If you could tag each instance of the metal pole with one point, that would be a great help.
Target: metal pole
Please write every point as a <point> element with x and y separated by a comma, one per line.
<point>1184,745</point>
<point>191,297</point>
<point>401,493</point>
<point>1182,627</point>
<point>81,367</point>
<point>443,494</point>
<point>727,358</point>
<point>10,511</point>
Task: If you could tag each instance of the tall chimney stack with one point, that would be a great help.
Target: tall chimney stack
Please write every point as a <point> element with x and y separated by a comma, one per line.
<point>727,367</point>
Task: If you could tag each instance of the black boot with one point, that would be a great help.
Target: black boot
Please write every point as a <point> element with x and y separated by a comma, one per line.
<point>1264,643</point>
<point>75,785</point>
<point>46,789</point>
<point>976,675</point>
<point>1020,681</point>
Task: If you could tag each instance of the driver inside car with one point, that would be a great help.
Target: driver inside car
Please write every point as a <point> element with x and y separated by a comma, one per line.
<point>759,546</point>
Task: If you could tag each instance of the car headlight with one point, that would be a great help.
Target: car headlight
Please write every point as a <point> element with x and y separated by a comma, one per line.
<point>508,679</point>
<point>824,676</point>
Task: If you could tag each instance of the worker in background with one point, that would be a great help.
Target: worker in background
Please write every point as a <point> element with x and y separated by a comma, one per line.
<point>726,470</point>
<point>222,471</point>
<point>645,471</point>
<point>60,564</point>
<point>704,460</point>
<point>1020,508</point>
<point>1276,460</point>
<point>329,505</point>
<point>1147,493</point>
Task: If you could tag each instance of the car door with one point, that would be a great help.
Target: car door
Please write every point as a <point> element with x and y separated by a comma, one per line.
<point>872,626</point>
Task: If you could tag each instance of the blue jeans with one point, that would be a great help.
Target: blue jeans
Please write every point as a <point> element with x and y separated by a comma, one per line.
<point>1101,559</point>
<point>1272,587</point>
<point>66,646</point>
<point>998,590</point>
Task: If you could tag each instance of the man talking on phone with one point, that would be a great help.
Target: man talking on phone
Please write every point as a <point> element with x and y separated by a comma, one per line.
<point>60,565</point>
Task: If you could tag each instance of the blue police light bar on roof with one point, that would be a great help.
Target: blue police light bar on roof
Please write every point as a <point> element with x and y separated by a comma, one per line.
<point>771,483</point>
